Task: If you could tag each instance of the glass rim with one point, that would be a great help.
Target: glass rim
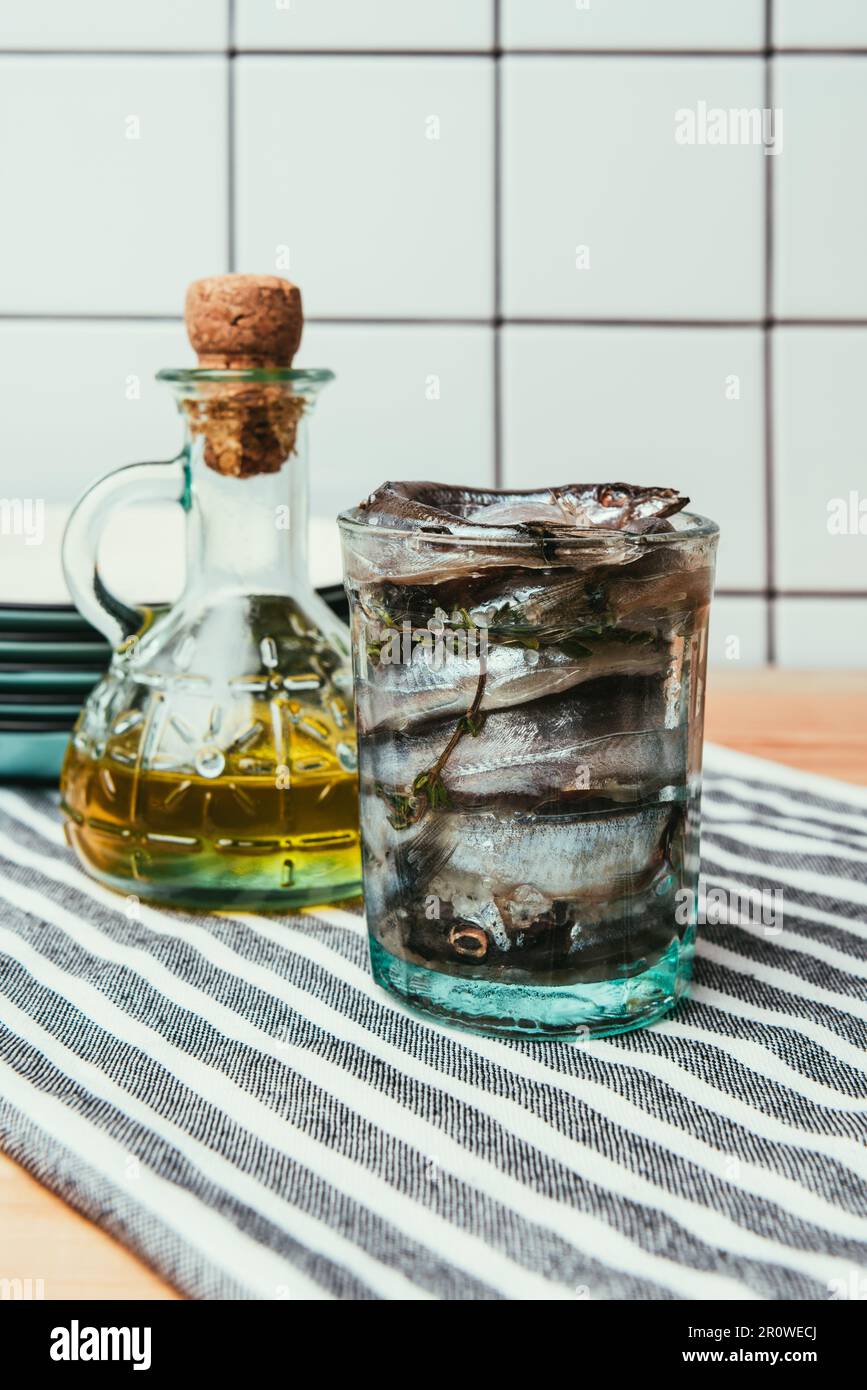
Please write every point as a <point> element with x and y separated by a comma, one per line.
<point>702,529</point>
<point>296,376</point>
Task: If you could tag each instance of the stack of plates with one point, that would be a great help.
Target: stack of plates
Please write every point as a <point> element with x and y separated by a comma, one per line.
<point>50,660</point>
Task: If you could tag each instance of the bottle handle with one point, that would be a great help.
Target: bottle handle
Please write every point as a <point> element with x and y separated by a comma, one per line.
<point>138,482</point>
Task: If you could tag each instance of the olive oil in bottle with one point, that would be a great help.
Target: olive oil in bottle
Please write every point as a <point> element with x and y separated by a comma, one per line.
<point>215,764</point>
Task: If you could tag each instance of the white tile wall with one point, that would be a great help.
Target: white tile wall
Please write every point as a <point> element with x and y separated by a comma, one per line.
<point>694,420</point>
<point>667,24</point>
<point>831,24</point>
<point>820,207</point>
<point>369,181</point>
<point>440,275</point>
<point>116,170</point>
<point>125,25</point>
<point>822,632</point>
<point>413,401</point>
<point>738,632</point>
<point>821,457</point>
<point>79,399</point>
<point>373,24</point>
<point>618,220</point>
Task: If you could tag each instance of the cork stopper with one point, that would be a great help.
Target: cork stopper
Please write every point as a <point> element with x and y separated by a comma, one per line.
<point>238,322</point>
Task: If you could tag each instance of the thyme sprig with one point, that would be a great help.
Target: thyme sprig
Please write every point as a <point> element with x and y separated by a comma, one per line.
<point>428,791</point>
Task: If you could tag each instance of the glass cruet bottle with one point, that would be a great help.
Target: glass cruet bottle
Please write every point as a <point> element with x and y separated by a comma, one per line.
<point>215,764</point>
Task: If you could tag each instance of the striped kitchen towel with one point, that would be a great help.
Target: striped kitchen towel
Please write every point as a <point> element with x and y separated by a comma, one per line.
<point>237,1102</point>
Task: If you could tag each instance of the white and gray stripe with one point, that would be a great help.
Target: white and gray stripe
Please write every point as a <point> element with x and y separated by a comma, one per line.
<point>238,1102</point>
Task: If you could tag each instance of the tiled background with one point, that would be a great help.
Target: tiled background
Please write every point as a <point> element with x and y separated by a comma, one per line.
<point>427,172</point>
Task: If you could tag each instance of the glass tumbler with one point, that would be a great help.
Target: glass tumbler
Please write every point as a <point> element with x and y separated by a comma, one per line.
<point>530,714</point>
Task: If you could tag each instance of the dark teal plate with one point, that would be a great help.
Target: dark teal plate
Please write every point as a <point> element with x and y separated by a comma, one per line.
<point>49,678</point>
<point>37,757</point>
<point>36,726</point>
<point>37,701</point>
<point>18,714</point>
<point>29,617</point>
<point>34,651</point>
<point>50,636</point>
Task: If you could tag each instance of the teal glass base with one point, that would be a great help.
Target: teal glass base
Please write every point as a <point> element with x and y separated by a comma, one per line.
<point>564,1013</point>
<point>278,902</point>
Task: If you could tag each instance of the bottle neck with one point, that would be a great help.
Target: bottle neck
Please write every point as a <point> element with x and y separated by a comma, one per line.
<point>246,535</point>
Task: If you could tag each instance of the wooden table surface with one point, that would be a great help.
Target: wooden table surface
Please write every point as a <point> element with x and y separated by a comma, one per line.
<point>816,720</point>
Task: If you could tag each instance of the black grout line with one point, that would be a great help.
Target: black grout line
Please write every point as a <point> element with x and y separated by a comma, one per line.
<point>443,321</point>
<point>525,321</point>
<point>91,318</point>
<point>113,52</point>
<point>497,405</point>
<point>634,52</point>
<point>363,53</point>
<point>791,593</point>
<point>853,52</point>
<point>234,52</point>
<point>767,358</point>
<point>766,51</point>
<point>528,321</point>
<point>231,235</point>
<point>230,51</point>
<point>416,321</point>
<point>497,365</point>
<point>816,323</point>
